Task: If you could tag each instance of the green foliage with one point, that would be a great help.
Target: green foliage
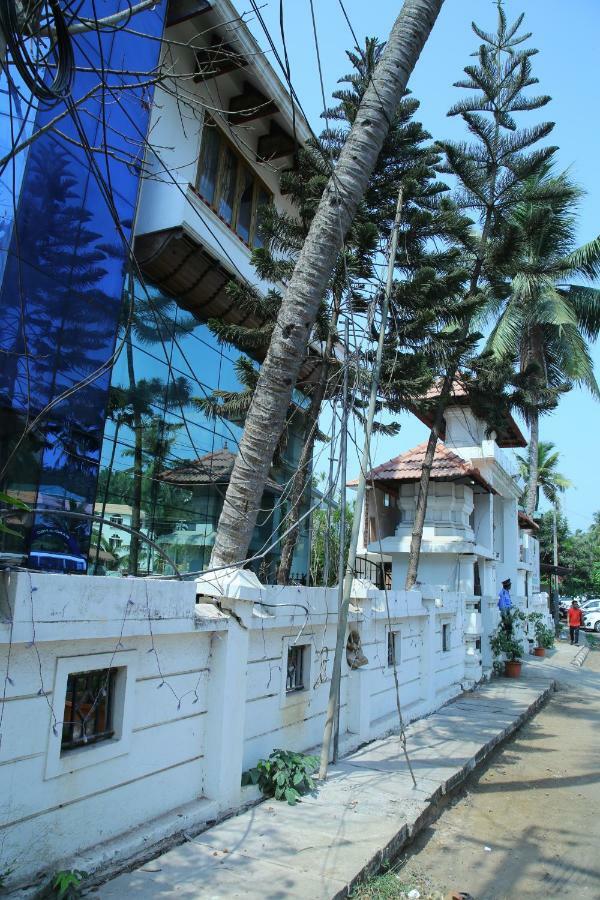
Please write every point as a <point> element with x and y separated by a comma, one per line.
<point>549,481</point>
<point>503,642</point>
<point>285,775</point>
<point>8,500</point>
<point>66,884</point>
<point>544,635</point>
<point>326,533</point>
<point>579,551</point>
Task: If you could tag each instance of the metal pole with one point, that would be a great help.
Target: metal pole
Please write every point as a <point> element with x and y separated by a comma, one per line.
<point>334,687</point>
<point>342,547</point>
<point>329,499</point>
<point>555,613</point>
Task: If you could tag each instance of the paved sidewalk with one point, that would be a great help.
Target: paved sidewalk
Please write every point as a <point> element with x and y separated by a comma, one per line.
<point>363,814</point>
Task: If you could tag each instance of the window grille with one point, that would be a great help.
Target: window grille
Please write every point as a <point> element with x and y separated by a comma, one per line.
<point>116,520</point>
<point>445,637</point>
<point>394,648</point>
<point>88,708</point>
<point>295,669</point>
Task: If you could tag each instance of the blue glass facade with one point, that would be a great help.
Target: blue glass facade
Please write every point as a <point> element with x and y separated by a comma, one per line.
<point>164,467</point>
<point>62,269</point>
<point>100,391</point>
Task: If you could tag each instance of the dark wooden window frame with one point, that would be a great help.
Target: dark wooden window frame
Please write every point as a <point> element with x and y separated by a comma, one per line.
<point>242,163</point>
<point>89,708</point>
<point>295,670</point>
<point>394,644</point>
<point>445,637</point>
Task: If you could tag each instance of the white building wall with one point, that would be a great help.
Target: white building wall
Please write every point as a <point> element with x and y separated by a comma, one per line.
<point>167,196</point>
<point>203,699</point>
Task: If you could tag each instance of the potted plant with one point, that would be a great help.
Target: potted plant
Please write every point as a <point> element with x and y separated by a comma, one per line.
<point>504,643</point>
<point>544,636</point>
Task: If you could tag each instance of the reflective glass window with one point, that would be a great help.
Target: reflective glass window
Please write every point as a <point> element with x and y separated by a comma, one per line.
<point>244,216</point>
<point>209,162</point>
<point>227,184</point>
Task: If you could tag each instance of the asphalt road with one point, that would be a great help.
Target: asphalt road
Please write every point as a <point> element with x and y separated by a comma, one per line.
<point>528,825</point>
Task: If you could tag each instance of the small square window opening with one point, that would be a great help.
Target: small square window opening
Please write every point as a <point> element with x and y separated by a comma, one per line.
<point>296,661</point>
<point>88,711</point>
<point>445,637</point>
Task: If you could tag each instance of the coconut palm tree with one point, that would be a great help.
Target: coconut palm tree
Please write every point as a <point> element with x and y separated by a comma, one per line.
<point>546,321</point>
<point>550,482</point>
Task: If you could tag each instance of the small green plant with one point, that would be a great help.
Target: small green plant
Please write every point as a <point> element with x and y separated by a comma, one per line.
<point>284,775</point>
<point>66,884</point>
<point>544,636</point>
<point>503,641</point>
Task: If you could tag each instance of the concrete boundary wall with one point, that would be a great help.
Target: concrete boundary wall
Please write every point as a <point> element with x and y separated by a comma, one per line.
<point>201,691</point>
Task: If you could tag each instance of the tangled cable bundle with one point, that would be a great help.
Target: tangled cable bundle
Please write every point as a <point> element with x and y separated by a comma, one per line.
<point>39,46</point>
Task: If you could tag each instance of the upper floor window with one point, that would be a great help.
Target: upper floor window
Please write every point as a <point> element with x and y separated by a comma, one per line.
<point>228,184</point>
<point>116,520</point>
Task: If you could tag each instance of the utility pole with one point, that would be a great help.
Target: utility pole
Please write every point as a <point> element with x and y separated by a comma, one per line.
<point>334,687</point>
<point>327,536</point>
<point>555,614</point>
<point>344,478</point>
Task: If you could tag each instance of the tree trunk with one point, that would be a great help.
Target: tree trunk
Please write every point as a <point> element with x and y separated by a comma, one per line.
<point>301,478</point>
<point>107,487</point>
<point>421,507</point>
<point>307,286</point>
<point>303,472</point>
<point>136,500</point>
<point>534,434</point>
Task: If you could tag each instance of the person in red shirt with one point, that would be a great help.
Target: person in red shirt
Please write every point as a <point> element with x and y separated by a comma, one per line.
<point>575,617</point>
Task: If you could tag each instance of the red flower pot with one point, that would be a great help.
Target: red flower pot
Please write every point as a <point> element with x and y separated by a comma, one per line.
<point>539,651</point>
<point>512,668</point>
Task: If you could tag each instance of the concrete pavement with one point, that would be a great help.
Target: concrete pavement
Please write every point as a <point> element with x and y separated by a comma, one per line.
<point>364,814</point>
<point>525,824</point>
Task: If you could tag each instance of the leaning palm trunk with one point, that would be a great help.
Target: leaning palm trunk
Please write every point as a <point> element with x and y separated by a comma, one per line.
<point>534,436</point>
<point>307,286</point>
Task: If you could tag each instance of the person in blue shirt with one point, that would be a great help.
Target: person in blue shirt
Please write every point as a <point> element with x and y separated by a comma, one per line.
<point>505,604</point>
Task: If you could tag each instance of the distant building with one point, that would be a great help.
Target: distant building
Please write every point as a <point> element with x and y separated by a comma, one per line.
<point>474,535</point>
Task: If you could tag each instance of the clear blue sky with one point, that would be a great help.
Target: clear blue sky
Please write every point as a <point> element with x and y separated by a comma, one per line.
<point>566,34</point>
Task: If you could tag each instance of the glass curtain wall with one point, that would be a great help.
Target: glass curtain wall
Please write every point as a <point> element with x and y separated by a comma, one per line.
<point>165,463</point>
<point>62,265</point>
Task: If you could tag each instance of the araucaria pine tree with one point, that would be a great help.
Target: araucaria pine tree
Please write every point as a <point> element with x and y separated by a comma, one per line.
<point>493,171</point>
<point>407,162</point>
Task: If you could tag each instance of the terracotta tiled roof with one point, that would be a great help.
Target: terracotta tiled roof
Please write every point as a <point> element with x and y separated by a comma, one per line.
<point>511,436</point>
<point>213,468</point>
<point>526,521</point>
<point>447,466</point>
<point>458,390</point>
